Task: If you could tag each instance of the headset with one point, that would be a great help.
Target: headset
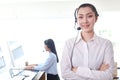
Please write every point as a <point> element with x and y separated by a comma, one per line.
<point>78,28</point>
<point>75,16</point>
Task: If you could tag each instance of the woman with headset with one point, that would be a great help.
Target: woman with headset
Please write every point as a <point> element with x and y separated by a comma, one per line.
<point>88,56</point>
<point>50,65</point>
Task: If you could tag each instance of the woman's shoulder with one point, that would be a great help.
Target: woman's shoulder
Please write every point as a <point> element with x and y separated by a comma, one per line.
<point>52,55</point>
<point>102,40</point>
<point>70,40</point>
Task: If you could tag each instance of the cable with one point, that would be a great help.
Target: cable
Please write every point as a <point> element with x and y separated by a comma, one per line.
<point>73,47</point>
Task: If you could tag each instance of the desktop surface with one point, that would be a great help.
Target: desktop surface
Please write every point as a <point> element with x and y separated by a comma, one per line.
<point>25,75</point>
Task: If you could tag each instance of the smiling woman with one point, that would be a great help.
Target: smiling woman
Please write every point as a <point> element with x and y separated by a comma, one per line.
<point>89,56</point>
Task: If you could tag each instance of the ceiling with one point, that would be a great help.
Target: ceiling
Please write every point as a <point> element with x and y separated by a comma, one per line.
<point>101,4</point>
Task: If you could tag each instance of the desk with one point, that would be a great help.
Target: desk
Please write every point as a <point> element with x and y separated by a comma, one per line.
<point>30,75</point>
<point>23,75</point>
<point>40,76</point>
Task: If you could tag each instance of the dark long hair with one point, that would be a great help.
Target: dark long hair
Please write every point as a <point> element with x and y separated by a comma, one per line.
<point>51,45</point>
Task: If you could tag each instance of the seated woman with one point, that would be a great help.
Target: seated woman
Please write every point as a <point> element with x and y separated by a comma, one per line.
<point>50,65</point>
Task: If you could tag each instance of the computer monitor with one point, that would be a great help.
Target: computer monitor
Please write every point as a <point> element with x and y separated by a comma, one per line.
<point>16,53</point>
<point>17,57</point>
<point>2,62</point>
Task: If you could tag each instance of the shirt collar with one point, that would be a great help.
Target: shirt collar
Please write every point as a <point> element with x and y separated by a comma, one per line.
<point>79,38</point>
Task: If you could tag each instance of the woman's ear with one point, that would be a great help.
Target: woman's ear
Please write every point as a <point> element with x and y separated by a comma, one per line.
<point>96,19</point>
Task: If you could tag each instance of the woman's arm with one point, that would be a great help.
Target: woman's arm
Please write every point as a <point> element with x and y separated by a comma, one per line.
<point>66,67</point>
<point>48,63</point>
<point>30,67</point>
<point>105,71</point>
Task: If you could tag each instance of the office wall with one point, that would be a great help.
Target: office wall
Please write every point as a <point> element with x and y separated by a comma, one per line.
<point>33,19</point>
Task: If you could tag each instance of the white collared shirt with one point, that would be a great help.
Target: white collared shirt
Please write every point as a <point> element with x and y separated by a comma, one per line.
<point>88,57</point>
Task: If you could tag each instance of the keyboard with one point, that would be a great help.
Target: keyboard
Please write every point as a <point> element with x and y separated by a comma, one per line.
<point>18,78</point>
<point>25,75</point>
<point>29,75</point>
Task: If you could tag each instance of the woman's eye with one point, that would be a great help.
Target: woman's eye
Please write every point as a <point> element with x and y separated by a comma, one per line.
<point>80,17</point>
<point>90,16</point>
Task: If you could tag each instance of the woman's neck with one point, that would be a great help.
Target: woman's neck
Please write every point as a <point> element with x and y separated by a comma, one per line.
<point>87,36</point>
<point>50,51</point>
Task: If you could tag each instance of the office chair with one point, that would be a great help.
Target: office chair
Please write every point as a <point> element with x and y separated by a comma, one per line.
<point>116,72</point>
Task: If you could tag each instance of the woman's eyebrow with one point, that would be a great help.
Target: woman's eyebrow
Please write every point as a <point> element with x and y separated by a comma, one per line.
<point>86,14</point>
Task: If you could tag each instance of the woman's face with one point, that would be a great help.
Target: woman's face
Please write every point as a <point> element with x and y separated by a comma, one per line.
<point>46,48</point>
<point>86,19</point>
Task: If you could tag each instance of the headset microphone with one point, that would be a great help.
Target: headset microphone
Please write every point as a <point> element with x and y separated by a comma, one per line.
<point>78,28</point>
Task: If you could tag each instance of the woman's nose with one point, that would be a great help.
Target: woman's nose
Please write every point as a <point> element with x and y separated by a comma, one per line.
<point>85,20</point>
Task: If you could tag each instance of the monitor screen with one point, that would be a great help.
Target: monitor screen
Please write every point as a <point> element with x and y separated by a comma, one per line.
<point>2,62</point>
<point>16,53</point>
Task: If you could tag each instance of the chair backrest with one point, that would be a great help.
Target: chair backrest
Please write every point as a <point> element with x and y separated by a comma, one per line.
<point>115,72</point>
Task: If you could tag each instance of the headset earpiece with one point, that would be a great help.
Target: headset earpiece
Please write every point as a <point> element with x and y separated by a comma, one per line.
<point>75,15</point>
